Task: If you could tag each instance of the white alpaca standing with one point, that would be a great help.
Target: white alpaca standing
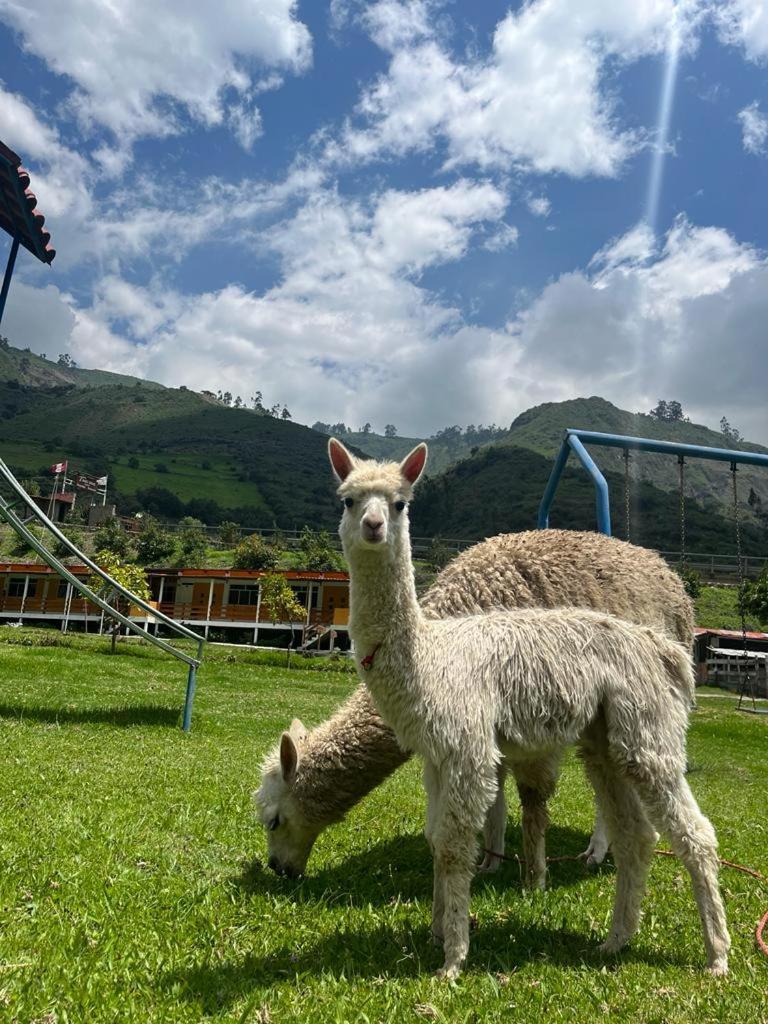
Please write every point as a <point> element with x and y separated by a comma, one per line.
<point>313,778</point>
<point>464,693</point>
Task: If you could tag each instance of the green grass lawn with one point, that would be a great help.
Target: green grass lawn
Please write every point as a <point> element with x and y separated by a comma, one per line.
<point>133,888</point>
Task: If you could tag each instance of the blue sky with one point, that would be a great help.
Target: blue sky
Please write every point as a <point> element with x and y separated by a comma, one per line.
<point>405,211</point>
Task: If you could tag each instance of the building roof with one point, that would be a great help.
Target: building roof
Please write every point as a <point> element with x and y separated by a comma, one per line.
<point>730,634</point>
<point>18,213</point>
<point>194,574</point>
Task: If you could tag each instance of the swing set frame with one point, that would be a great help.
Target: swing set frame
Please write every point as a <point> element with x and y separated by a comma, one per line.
<point>575,440</point>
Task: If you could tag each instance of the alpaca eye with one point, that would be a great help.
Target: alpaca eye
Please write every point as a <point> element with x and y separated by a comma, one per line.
<point>349,502</point>
<point>399,505</point>
<point>273,824</point>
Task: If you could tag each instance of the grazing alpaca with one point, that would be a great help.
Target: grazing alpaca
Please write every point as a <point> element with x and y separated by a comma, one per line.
<point>312,779</point>
<point>466,692</point>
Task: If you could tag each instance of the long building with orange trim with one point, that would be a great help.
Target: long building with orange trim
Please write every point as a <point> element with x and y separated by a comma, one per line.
<point>221,603</point>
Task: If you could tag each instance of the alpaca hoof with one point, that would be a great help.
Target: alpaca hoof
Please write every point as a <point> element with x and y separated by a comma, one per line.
<point>719,968</point>
<point>491,862</point>
<point>612,945</point>
<point>448,973</point>
<point>595,853</point>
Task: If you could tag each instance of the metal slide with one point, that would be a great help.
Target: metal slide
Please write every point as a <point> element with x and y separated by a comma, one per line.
<point>21,498</point>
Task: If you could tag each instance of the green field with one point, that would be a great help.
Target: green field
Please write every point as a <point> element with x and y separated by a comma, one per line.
<point>133,889</point>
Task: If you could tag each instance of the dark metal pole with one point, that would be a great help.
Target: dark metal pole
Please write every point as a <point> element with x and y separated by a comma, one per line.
<point>8,275</point>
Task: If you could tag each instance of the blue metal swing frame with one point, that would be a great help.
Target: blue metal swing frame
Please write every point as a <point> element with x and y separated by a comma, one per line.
<point>575,441</point>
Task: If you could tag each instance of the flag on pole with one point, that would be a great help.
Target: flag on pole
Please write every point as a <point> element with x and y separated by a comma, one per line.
<point>59,467</point>
<point>102,481</point>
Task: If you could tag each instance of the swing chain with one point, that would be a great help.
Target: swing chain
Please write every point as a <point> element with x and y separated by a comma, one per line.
<point>627,515</point>
<point>742,581</point>
<point>683,541</point>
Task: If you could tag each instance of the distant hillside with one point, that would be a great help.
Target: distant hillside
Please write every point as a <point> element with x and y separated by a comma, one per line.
<point>499,490</point>
<point>172,452</point>
<point>26,368</point>
<point>541,430</point>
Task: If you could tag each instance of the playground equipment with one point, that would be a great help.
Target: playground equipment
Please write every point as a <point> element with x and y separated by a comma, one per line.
<point>19,217</point>
<point>574,441</point>
<point>20,499</point>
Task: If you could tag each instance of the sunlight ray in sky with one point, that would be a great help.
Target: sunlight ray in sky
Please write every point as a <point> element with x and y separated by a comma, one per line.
<point>663,121</point>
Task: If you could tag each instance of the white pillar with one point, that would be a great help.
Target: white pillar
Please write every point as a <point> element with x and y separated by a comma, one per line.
<point>208,611</point>
<point>258,612</point>
<point>67,608</point>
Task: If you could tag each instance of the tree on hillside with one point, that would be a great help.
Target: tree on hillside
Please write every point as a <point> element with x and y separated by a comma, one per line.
<point>155,544</point>
<point>668,412</point>
<point>111,536</point>
<point>238,403</point>
<point>322,428</point>
<point>390,430</point>
<point>253,552</point>
<point>285,415</point>
<point>365,429</point>
<point>192,544</point>
<point>65,359</point>
<point>256,401</point>
<point>729,433</point>
<point>317,552</point>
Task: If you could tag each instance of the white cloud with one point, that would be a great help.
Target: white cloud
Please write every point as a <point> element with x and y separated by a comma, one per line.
<point>538,101</point>
<point>136,64</point>
<point>349,333</point>
<point>745,23</point>
<point>539,206</point>
<point>754,128</point>
<point>685,322</point>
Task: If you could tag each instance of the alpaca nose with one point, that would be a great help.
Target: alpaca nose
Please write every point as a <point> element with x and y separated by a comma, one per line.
<point>373,527</point>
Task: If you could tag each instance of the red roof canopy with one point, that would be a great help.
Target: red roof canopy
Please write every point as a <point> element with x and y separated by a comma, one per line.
<point>18,215</point>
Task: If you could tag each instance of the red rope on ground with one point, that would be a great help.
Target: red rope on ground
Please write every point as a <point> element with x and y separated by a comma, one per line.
<point>762,945</point>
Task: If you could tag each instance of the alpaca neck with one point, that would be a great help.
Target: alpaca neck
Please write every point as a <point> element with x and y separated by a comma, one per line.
<point>382,595</point>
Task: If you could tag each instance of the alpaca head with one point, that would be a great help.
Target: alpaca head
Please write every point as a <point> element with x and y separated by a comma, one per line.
<point>375,497</point>
<point>290,836</point>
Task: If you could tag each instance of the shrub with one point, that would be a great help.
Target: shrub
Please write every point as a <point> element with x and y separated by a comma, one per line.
<point>691,580</point>
<point>317,552</point>
<point>229,533</point>
<point>438,555</point>
<point>154,544</point>
<point>755,596</point>
<point>254,553</point>
<point>111,536</point>
<point>192,542</point>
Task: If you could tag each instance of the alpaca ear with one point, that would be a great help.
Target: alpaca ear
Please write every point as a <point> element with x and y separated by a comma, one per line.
<point>413,464</point>
<point>297,731</point>
<point>342,462</point>
<point>289,758</point>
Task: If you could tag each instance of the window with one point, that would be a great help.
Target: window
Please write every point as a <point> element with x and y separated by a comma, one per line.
<point>61,590</point>
<point>300,593</point>
<point>16,587</point>
<point>244,593</point>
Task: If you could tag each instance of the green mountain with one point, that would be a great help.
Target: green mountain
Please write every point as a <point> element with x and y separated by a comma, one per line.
<point>171,451</point>
<point>28,369</point>
<point>174,452</point>
<point>541,430</point>
<point>498,490</point>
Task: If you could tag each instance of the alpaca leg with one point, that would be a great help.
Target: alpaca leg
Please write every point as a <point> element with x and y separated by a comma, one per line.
<point>536,781</point>
<point>598,841</point>
<point>631,837</point>
<point>432,786</point>
<point>495,828</point>
<point>672,805</point>
<point>455,846</point>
